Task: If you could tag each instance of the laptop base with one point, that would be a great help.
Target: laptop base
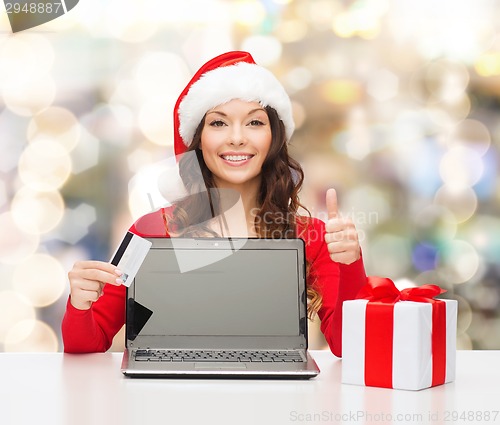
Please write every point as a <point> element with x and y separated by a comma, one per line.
<point>218,370</point>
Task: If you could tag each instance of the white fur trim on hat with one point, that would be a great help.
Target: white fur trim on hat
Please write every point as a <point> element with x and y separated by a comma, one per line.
<point>245,81</point>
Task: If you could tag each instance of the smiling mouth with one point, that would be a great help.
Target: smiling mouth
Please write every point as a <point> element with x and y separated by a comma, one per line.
<point>236,158</point>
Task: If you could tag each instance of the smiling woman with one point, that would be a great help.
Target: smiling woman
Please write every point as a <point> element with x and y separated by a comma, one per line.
<point>232,122</point>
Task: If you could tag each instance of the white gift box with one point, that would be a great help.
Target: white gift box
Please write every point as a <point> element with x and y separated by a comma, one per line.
<point>411,346</point>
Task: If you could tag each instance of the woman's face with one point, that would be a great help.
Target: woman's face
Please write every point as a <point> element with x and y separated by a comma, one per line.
<point>235,140</point>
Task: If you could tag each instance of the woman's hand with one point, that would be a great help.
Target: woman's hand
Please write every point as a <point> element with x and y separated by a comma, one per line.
<point>341,235</point>
<point>87,280</point>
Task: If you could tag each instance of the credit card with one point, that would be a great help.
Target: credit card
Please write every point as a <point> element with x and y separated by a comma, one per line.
<point>130,255</point>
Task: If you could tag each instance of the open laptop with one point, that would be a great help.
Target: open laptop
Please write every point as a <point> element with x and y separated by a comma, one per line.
<point>219,307</point>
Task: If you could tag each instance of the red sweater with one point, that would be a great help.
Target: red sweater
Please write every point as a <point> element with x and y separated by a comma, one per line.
<point>92,330</point>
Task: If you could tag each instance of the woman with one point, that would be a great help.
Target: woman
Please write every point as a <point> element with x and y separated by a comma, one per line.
<point>233,120</point>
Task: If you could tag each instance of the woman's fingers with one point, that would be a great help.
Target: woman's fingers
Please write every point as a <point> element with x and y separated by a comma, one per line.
<point>87,280</point>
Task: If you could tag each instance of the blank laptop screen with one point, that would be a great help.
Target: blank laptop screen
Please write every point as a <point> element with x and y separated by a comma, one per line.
<point>242,293</point>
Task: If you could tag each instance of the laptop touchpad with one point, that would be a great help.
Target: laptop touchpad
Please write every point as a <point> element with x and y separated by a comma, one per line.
<point>220,365</point>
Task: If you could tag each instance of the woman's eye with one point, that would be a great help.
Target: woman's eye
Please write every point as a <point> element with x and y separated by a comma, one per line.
<point>217,123</point>
<point>256,122</point>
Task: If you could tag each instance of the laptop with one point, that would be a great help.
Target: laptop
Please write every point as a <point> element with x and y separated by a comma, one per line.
<point>219,307</point>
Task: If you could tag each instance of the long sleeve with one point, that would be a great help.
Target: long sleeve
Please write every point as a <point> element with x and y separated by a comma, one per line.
<point>335,282</point>
<point>93,330</point>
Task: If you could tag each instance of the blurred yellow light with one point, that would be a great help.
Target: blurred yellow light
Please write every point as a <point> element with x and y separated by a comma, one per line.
<point>464,342</point>
<point>86,153</point>
<point>13,309</point>
<point>58,124</point>
<point>488,64</point>
<point>458,262</point>
<point>3,193</point>
<point>461,202</point>
<point>248,12</point>
<point>154,186</point>
<point>484,233</point>
<point>266,50</point>
<point>169,183</point>
<point>368,206</point>
<point>20,331</point>
<point>159,94</point>
<point>139,158</point>
<point>435,224</point>
<point>471,134</point>
<point>155,122</point>
<point>383,85</point>
<point>298,78</point>
<point>356,21</point>
<point>44,165</point>
<point>189,12</point>
<point>4,23</point>
<point>450,114</point>
<point>318,13</point>
<point>25,56</point>
<point>139,203</point>
<point>40,278</point>
<point>299,114</point>
<point>465,315</point>
<point>446,80</point>
<point>37,212</point>
<point>342,92</point>
<point>161,72</point>
<point>140,200</point>
<point>62,23</point>
<point>291,30</point>
<point>31,336</point>
<point>129,20</point>
<point>461,167</point>
<point>397,254</point>
<point>369,33</point>
<point>29,96</point>
<point>343,26</point>
<point>15,244</point>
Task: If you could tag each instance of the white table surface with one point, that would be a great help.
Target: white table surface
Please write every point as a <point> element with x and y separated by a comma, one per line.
<point>56,388</point>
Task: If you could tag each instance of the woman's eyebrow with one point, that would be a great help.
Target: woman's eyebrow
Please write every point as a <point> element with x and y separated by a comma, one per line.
<point>217,112</point>
<point>225,115</point>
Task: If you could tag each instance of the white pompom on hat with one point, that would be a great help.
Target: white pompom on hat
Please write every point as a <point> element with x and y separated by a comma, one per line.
<point>232,75</point>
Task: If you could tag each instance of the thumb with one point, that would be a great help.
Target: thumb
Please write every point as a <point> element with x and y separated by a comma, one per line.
<point>331,203</point>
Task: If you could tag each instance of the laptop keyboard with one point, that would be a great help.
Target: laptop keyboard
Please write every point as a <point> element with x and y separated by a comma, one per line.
<point>155,355</point>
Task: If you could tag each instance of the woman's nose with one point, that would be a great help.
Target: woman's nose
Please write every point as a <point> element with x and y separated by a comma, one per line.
<point>237,136</point>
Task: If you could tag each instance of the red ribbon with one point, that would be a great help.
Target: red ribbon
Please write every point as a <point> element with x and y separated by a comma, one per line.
<point>382,294</point>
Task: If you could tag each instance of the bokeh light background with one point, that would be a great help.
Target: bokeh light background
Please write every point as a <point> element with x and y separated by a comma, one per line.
<point>396,103</point>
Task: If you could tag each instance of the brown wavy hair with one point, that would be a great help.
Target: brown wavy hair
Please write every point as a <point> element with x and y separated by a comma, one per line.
<point>281,181</point>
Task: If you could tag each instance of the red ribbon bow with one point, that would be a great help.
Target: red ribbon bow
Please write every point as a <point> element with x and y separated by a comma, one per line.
<point>382,294</point>
<point>382,289</point>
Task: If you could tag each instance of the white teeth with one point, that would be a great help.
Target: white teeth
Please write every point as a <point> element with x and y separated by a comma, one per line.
<point>236,157</point>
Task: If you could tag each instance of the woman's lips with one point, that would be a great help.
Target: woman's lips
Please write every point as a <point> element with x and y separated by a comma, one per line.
<point>236,159</point>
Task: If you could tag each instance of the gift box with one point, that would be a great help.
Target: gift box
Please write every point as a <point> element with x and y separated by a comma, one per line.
<point>398,339</point>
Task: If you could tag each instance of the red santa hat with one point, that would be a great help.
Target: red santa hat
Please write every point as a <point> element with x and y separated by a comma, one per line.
<point>232,75</point>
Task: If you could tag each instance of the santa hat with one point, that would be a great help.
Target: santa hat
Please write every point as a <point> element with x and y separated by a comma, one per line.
<point>232,75</point>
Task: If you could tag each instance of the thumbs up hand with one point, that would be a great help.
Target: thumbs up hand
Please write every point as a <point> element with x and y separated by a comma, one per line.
<point>341,235</point>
